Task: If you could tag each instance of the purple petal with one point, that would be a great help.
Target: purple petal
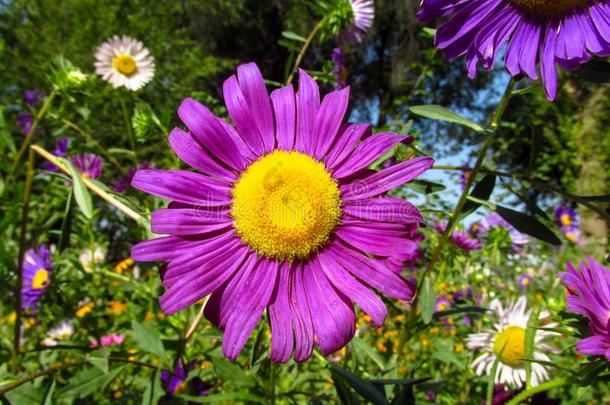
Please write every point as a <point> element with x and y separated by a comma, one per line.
<point>367,152</point>
<point>308,103</point>
<point>183,186</point>
<point>387,179</point>
<point>280,318</point>
<point>253,87</point>
<point>328,120</point>
<point>349,135</point>
<point>187,221</point>
<point>248,311</point>
<point>284,106</point>
<point>190,152</point>
<point>384,210</point>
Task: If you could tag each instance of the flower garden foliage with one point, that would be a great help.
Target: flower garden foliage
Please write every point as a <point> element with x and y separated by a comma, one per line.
<point>292,202</point>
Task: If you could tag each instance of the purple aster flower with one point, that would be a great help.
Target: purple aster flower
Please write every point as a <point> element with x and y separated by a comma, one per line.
<point>589,288</point>
<point>524,280</point>
<point>494,220</point>
<point>339,68</point>
<point>539,34</point>
<point>442,304</point>
<point>61,150</point>
<point>89,164</point>
<point>175,381</point>
<point>36,276</point>
<point>459,238</point>
<point>25,121</point>
<point>567,220</point>
<point>124,181</point>
<point>32,97</point>
<point>285,212</point>
<point>363,15</point>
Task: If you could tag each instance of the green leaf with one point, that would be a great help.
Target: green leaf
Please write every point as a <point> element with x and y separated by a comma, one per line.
<point>530,339</point>
<point>26,394</point>
<point>596,71</point>
<point>66,225</point>
<point>362,346</point>
<point>491,380</point>
<point>427,301</point>
<point>48,396</point>
<point>362,387</point>
<point>233,373</point>
<point>148,339</point>
<point>529,225</point>
<point>154,390</point>
<point>88,381</point>
<point>293,36</point>
<point>440,113</point>
<point>81,194</point>
<point>597,198</point>
<point>425,186</point>
<point>99,359</point>
<point>443,351</point>
<point>482,191</point>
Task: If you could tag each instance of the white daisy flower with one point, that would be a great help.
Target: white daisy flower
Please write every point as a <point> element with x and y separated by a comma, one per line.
<point>87,258</point>
<point>506,342</point>
<point>363,15</point>
<point>124,61</point>
<point>62,332</point>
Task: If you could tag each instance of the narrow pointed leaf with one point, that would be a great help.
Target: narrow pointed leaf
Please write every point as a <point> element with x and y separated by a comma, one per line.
<point>528,225</point>
<point>440,113</point>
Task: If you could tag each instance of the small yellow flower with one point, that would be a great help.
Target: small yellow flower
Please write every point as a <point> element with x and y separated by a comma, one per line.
<point>458,347</point>
<point>12,317</point>
<point>381,347</point>
<point>117,307</point>
<point>539,297</point>
<point>149,316</point>
<point>400,318</point>
<point>84,310</point>
<point>117,394</point>
<point>123,266</point>
<point>425,341</point>
<point>435,330</point>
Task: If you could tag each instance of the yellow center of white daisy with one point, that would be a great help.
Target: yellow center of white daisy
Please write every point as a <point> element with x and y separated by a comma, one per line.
<point>566,220</point>
<point>549,8</point>
<point>125,64</point>
<point>285,205</point>
<point>40,279</point>
<point>509,346</point>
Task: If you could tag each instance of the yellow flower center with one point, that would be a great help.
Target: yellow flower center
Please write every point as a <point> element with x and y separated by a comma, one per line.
<point>566,220</point>
<point>509,346</point>
<point>40,279</point>
<point>125,64</point>
<point>285,205</point>
<point>572,237</point>
<point>549,8</point>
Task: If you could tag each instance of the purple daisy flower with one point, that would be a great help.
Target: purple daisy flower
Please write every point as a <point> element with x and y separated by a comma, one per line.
<point>494,220</point>
<point>567,220</point>
<point>539,34</point>
<point>32,97</point>
<point>61,150</point>
<point>339,68</point>
<point>589,289</point>
<point>25,121</point>
<point>286,213</point>
<point>459,238</point>
<point>363,16</point>
<point>442,304</point>
<point>124,181</point>
<point>524,280</point>
<point>175,381</point>
<point>89,164</point>
<point>36,276</point>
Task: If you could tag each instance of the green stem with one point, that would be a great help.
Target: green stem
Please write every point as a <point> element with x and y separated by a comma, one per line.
<point>558,382</point>
<point>22,247</point>
<point>89,138</point>
<point>304,48</point>
<point>28,137</point>
<point>130,135</point>
<point>538,184</point>
<point>493,125</point>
